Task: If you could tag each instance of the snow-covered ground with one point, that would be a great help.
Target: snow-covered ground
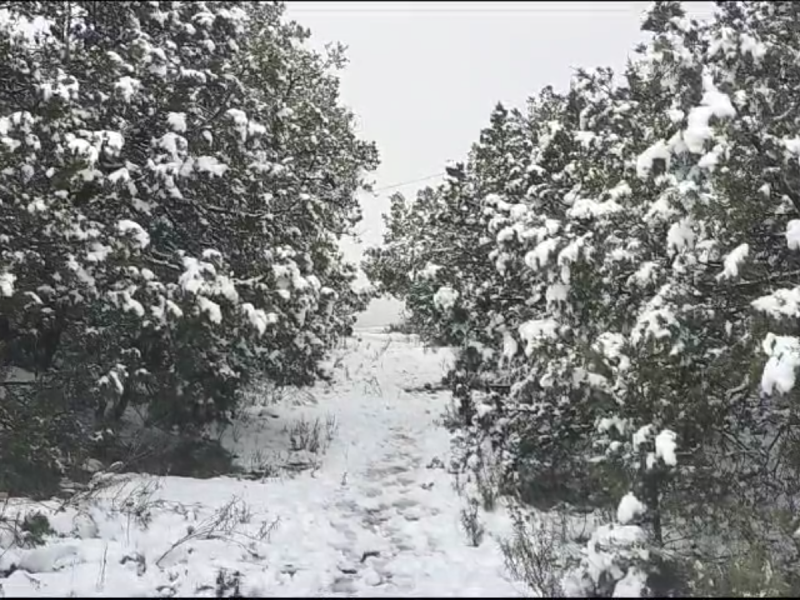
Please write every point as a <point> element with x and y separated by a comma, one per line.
<point>375,515</point>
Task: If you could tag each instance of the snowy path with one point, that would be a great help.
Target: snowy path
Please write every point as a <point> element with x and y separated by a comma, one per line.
<point>379,517</point>
<point>394,504</point>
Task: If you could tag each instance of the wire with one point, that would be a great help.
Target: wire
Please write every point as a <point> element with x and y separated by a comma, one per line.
<point>391,11</point>
<point>531,8</point>
<point>404,183</point>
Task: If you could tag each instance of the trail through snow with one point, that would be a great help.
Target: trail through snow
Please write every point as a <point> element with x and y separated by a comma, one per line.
<point>378,516</point>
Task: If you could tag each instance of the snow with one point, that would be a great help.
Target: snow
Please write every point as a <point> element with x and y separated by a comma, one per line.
<point>612,346</point>
<point>239,118</point>
<point>733,261</point>
<point>606,423</point>
<point>629,508</point>
<point>210,308</point>
<point>632,585</point>
<point>445,298</point>
<point>129,303</point>
<point>680,235</point>
<point>793,234</point>
<point>658,151</point>
<point>99,252</point>
<point>170,142</point>
<point>258,318</point>
<point>537,330</point>
<point>609,549</point>
<point>7,284</point>
<point>128,87</point>
<point>656,319</point>
<point>540,255</point>
<point>781,368</point>
<point>510,345</point>
<point>780,303</point>
<point>177,121</point>
<point>374,516</point>
<point>201,277</point>
<point>138,234</point>
<point>210,164</point>
<point>752,46</point>
<point>713,104</point>
<point>507,234</point>
<point>430,271</point>
<point>621,190</point>
<point>641,435</point>
<point>570,253</point>
<point>556,293</point>
<point>64,89</point>
<point>665,447</point>
<point>675,115</point>
<point>121,174</point>
<point>19,25</point>
<point>586,208</point>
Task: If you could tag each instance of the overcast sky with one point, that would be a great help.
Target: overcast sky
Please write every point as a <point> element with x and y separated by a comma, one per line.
<point>424,76</point>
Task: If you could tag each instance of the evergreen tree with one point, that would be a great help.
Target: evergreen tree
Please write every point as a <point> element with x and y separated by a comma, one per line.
<point>175,178</point>
<point>639,302</point>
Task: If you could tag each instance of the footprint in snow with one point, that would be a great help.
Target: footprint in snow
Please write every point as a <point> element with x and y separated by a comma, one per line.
<point>372,492</point>
<point>402,503</point>
<point>405,480</point>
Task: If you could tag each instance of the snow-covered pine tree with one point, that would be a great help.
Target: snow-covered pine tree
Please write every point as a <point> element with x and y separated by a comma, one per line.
<point>555,230</point>
<point>404,264</point>
<point>736,162</point>
<point>691,354</point>
<point>435,254</point>
<point>175,177</point>
<point>628,313</point>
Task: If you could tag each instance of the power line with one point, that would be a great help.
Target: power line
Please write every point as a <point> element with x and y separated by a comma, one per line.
<point>397,185</point>
<point>418,10</point>
<point>442,12</point>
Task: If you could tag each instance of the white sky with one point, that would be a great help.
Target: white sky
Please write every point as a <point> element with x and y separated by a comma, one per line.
<point>424,76</point>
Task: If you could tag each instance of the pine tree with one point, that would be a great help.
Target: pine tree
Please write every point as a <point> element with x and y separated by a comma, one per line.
<point>637,299</point>
<point>175,180</point>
